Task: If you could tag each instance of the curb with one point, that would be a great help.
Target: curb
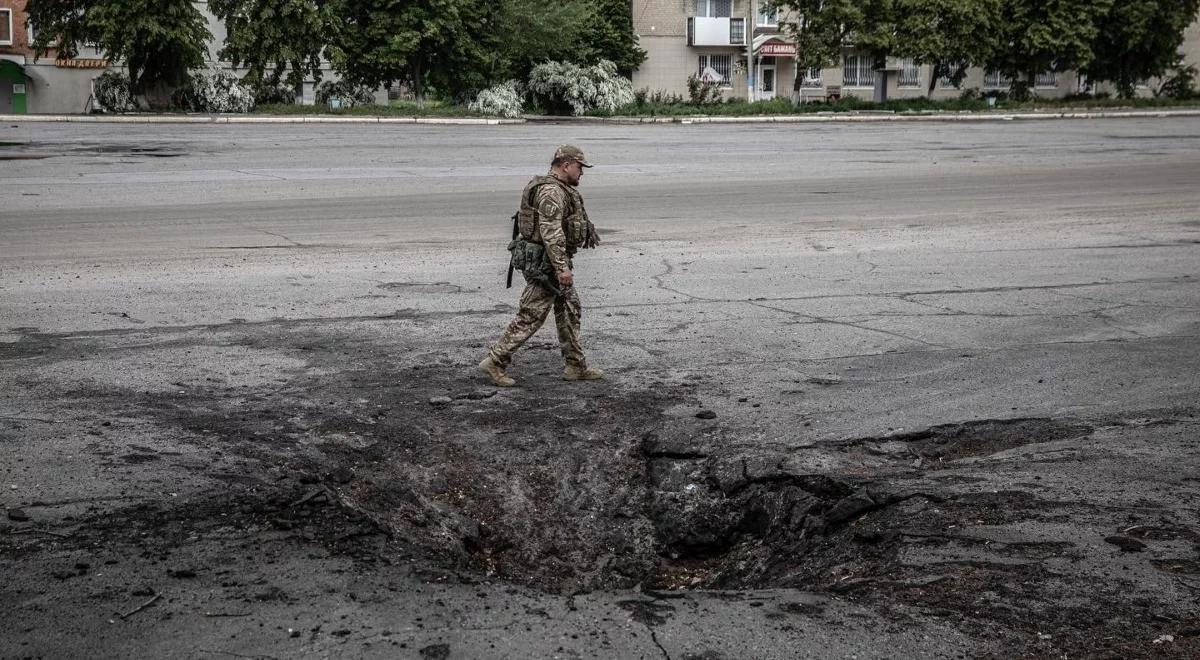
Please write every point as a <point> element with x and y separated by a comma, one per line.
<point>876,117</point>
<point>252,119</point>
<point>815,118</point>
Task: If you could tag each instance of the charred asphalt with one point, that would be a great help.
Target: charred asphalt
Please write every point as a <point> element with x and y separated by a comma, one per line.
<point>873,392</point>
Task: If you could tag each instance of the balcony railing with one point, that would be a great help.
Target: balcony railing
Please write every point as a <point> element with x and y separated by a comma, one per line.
<point>704,31</point>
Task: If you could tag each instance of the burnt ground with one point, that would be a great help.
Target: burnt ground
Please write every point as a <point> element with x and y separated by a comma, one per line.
<point>371,454</point>
<point>877,391</point>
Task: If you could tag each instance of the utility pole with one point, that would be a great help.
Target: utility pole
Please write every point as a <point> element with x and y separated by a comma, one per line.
<point>750,51</point>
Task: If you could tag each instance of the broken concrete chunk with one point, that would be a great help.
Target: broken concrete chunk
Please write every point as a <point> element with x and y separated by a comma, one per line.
<point>1125,543</point>
<point>439,400</point>
<point>849,507</point>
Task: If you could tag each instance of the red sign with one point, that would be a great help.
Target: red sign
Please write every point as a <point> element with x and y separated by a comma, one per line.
<point>777,49</point>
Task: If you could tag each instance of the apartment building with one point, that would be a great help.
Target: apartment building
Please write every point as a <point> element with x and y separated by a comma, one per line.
<point>712,38</point>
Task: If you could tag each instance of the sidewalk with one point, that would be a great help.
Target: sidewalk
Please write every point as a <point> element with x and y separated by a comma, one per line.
<point>820,117</point>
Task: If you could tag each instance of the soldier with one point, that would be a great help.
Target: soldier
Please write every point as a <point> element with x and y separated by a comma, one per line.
<point>553,225</point>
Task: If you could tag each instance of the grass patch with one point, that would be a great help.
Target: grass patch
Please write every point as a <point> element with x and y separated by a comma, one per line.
<point>394,109</point>
<point>781,106</point>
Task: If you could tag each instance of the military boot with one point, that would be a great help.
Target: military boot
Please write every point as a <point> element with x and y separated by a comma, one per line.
<point>582,373</point>
<point>496,372</point>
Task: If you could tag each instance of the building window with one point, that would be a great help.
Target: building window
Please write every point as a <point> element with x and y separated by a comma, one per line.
<point>768,16</point>
<point>714,8</point>
<point>737,32</point>
<point>812,77</point>
<point>910,74</point>
<point>996,80</point>
<point>6,33</point>
<point>1046,79</point>
<point>946,81</point>
<point>716,69</point>
<point>858,70</point>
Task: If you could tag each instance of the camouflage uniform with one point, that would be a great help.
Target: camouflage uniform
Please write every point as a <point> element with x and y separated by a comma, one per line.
<point>554,209</point>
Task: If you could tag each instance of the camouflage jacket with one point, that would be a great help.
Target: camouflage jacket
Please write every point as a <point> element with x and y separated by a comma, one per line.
<point>552,214</point>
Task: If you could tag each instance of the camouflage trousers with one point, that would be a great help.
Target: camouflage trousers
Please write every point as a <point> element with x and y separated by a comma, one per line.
<point>536,303</point>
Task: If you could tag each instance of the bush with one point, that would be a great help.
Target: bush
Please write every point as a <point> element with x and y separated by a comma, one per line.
<point>218,91</point>
<point>113,94</point>
<point>562,87</point>
<point>1180,86</point>
<point>503,100</point>
<point>702,92</point>
<point>351,95</point>
<point>280,94</point>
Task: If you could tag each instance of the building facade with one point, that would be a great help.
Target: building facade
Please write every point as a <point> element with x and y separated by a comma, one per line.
<point>734,43</point>
<point>57,85</point>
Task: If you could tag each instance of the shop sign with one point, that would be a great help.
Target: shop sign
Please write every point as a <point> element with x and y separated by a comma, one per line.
<point>777,49</point>
<point>81,63</point>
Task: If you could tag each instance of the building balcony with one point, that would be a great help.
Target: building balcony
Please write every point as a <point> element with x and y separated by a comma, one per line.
<point>704,31</point>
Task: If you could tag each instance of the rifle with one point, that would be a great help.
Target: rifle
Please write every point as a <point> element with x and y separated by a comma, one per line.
<point>516,232</point>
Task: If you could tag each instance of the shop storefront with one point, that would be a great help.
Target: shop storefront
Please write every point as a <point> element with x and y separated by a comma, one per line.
<point>774,67</point>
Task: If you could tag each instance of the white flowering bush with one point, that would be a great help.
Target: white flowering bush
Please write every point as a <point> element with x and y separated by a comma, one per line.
<point>504,100</point>
<point>560,86</point>
<point>350,94</point>
<point>112,92</point>
<point>219,91</point>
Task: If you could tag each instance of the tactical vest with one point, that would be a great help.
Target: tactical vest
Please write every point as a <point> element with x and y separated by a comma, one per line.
<point>576,225</point>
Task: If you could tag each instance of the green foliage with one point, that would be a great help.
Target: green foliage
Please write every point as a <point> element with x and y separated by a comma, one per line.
<point>350,94</point>
<point>949,34</point>
<point>702,92</point>
<point>274,37</point>
<point>159,41</point>
<point>420,43</point>
<point>1036,35</point>
<point>528,32</point>
<point>220,91</point>
<point>608,36</point>
<point>395,109</point>
<point>820,28</point>
<point>1137,40</point>
<point>1181,85</point>
<point>966,103</point>
<point>113,92</point>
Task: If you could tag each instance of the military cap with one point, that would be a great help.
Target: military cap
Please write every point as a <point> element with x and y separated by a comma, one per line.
<point>571,152</point>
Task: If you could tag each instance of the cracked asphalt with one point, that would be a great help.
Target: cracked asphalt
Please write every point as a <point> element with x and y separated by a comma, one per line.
<point>874,391</point>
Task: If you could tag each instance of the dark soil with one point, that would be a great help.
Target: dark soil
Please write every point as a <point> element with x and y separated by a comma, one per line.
<point>595,486</point>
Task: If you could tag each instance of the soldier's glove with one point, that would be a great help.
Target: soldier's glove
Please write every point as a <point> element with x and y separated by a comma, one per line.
<point>593,238</point>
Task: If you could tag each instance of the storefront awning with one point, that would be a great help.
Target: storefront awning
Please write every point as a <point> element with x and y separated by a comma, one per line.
<point>771,45</point>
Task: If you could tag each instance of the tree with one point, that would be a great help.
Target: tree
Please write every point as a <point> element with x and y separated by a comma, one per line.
<point>414,42</point>
<point>271,37</point>
<point>159,41</point>
<point>948,35</point>
<point>820,29</point>
<point>608,35</point>
<point>1045,35</point>
<point>1138,40</point>
<point>528,32</point>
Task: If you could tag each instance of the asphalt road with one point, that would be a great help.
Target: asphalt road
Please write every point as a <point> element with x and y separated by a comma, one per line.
<point>811,285</point>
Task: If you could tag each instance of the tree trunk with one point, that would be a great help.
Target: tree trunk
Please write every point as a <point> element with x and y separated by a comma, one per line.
<point>418,84</point>
<point>880,78</point>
